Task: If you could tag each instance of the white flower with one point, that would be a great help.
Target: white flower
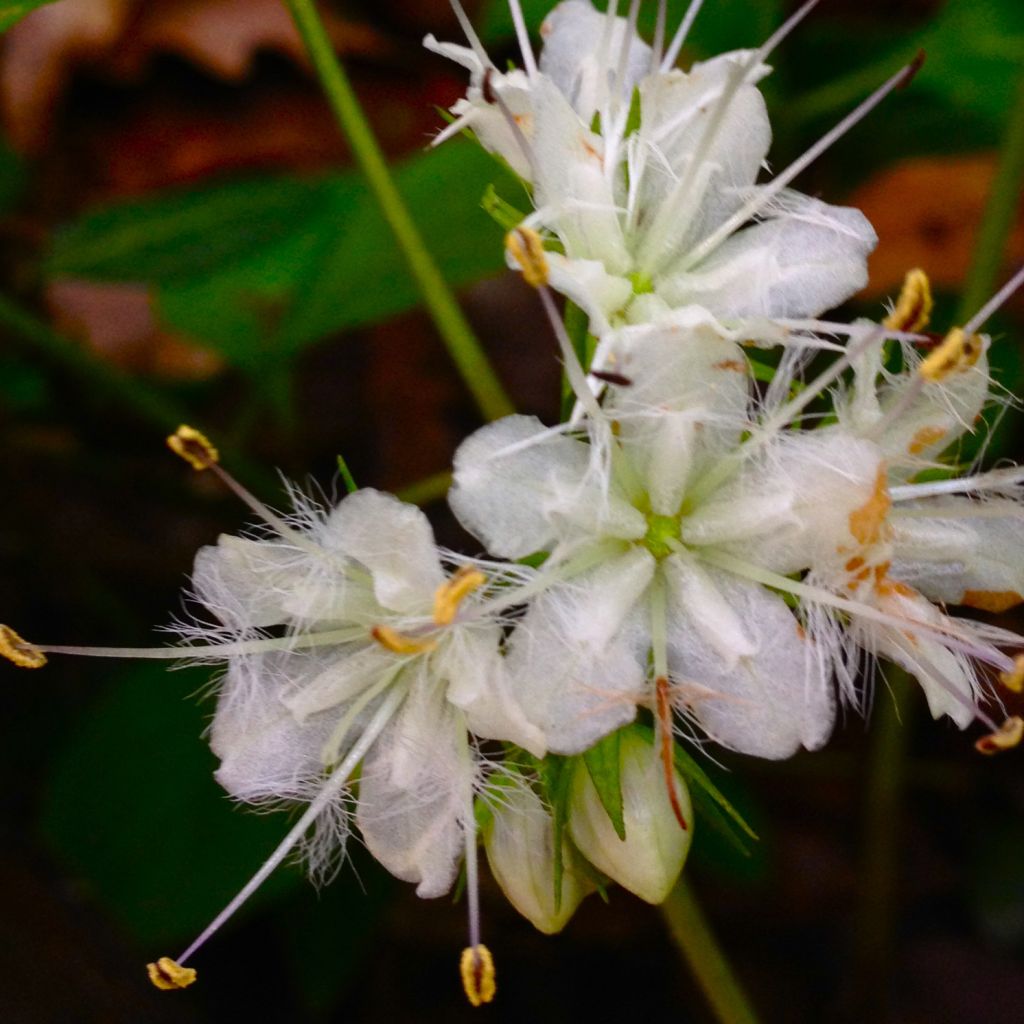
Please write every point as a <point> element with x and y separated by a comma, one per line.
<point>623,582</point>
<point>647,176</point>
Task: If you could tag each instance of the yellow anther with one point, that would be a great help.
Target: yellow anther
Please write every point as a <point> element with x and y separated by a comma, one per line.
<point>957,352</point>
<point>527,249</point>
<point>477,970</point>
<point>913,308</point>
<point>195,448</point>
<point>454,591</point>
<point>168,975</point>
<point>399,643</point>
<point>19,651</point>
<point>1007,736</point>
<point>1014,679</point>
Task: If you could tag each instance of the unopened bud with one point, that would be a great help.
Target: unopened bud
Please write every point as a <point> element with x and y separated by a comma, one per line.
<point>520,845</point>
<point>648,861</point>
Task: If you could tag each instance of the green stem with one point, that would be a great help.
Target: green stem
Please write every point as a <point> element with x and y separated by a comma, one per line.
<point>106,381</point>
<point>1000,213</point>
<point>881,836</point>
<point>692,934</point>
<point>430,489</point>
<point>458,337</point>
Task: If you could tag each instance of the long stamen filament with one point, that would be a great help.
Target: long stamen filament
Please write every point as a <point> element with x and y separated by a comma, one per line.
<point>679,39</point>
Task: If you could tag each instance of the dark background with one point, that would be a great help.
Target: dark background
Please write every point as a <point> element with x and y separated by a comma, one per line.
<point>181,234</point>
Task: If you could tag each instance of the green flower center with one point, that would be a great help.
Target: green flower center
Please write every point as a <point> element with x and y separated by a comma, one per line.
<point>663,533</point>
<point>642,284</point>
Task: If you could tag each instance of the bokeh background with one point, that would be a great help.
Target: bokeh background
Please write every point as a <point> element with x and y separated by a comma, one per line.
<point>183,237</point>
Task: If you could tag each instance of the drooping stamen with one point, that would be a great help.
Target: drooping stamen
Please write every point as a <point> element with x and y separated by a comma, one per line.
<point>679,39</point>
<point>780,181</point>
<point>666,741</point>
<point>1014,679</point>
<point>477,969</point>
<point>330,789</point>
<point>19,651</point>
<point>914,307</point>
<point>450,594</point>
<point>609,377</point>
<point>995,302</point>
<point>1007,736</point>
<point>526,248</point>
<point>401,643</point>
<point>529,63</point>
<point>167,975</point>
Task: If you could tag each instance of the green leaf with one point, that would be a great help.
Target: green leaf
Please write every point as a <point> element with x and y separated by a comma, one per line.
<point>133,809</point>
<point>13,11</point>
<point>556,781</point>
<point>605,767</point>
<point>504,214</point>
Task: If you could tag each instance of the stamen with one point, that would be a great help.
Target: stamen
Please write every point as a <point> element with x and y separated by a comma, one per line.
<point>914,307</point>
<point>477,970</point>
<point>471,37</point>
<point>194,447</point>
<point>19,651</point>
<point>1014,679</point>
<point>454,591</point>
<point>995,302</point>
<point>399,643</point>
<point>667,744</point>
<point>959,351</point>
<point>676,46</point>
<point>1007,736</point>
<point>780,181</point>
<point>526,247</point>
<point>529,63</point>
<point>168,975</point>
<point>609,377</point>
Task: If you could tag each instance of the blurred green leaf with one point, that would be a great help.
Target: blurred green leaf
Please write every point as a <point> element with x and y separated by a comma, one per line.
<point>132,807</point>
<point>12,177</point>
<point>14,10</point>
<point>258,269</point>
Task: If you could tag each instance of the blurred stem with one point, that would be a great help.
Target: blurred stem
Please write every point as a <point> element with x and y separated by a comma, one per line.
<point>1000,213</point>
<point>431,488</point>
<point>880,836</point>
<point>106,381</point>
<point>696,942</point>
<point>458,337</point>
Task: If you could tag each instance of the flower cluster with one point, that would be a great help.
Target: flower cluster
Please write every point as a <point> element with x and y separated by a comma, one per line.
<point>747,506</point>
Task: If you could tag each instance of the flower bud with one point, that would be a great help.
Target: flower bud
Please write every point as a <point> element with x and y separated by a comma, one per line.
<point>648,861</point>
<point>520,845</point>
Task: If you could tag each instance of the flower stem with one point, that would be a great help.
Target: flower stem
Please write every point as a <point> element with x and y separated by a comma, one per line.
<point>1000,213</point>
<point>881,838</point>
<point>696,942</point>
<point>463,347</point>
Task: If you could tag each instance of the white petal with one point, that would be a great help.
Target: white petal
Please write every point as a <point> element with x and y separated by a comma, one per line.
<point>414,792</point>
<point>962,551</point>
<point>767,694</point>
<point>579,54</point>
<point>602,295</point>
<point>478,684</point>
<point>577,660</point>
<point>519,487</point>
<point>394,542</point>
<point>807,259</point>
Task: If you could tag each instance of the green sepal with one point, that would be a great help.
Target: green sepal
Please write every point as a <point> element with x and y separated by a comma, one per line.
<point>346,475</point>
<point>605,767</point>
<point>502,212</point>
<point>556,780</point>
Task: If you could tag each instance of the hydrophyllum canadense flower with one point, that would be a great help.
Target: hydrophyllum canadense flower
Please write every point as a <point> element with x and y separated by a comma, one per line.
<point>351,645</point>
<point>743,555</point>
<point>644,176</point>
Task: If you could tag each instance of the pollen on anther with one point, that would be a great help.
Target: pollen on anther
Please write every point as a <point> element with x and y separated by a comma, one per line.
<point>477,970</point>
<point>913,308</point>
<point>1007,736</point>
<point>527,249</point>
<point>399,643</point>
<point>168,975</point>
<point>957,352</point>
<point>450,594</point>
<point>1014,679</point>
<point>19,651</point>
<point>194,447</point>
